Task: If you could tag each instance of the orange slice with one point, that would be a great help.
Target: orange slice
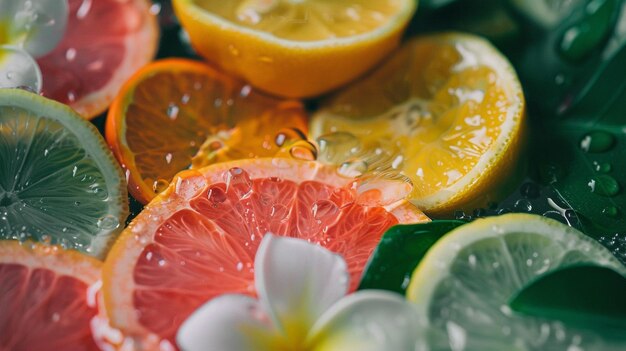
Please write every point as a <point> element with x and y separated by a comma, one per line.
<point>295,48</point>
<point>105,42</point>
<point>198,239</point>
<point>47,298</point>
<point>445,110</point>
<point>174,109</point>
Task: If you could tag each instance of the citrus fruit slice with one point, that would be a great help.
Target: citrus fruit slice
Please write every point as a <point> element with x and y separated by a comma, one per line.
<point>464,283</point>
<point>198,239</point>
<point>173,109</point>
<point>58,180</point>
<point>449,107</point>
<point>47,298</point>
<point>105,42</point>
<point>295,48</point>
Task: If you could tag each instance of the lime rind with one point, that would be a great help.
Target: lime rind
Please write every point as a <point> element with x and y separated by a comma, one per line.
<point>466,280</point>
<point>59,181</point>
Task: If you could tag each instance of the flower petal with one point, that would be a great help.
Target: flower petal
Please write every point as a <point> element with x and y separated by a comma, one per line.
<point>227,323</point>
<point>36,26</point>
<point>368,320</point>
<point>298,281</point>
<point>18,69</point>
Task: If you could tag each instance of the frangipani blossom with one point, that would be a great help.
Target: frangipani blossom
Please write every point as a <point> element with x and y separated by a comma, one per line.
<point>302,305</point>
<point>28,29</point>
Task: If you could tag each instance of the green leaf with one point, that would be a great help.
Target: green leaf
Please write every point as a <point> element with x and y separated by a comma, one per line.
<point>587,296</point>
<point>401,248</point>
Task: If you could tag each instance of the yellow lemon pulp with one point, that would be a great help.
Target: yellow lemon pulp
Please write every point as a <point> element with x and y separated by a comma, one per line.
<point>305,20</point>
<point>448,106</point>
<point>295,48</point>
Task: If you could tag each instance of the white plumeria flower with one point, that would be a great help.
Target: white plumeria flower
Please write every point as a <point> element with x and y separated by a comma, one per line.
<point>28,29</point>
<point>302,306</point>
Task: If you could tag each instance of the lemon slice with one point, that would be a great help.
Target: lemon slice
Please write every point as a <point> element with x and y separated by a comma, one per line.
<point>464,283</point>
<point>295,48</point>
<point>446,110</point>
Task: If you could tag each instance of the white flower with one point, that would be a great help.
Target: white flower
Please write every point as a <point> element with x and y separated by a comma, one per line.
<point>28,29</point>
<point>302,306</point>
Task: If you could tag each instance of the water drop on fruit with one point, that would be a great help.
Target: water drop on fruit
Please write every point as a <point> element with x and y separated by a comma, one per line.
<point>239,182</point>
<point>523,205</point>
<point>355,168</point>
<point>159,185</point>
<point>324,209</point>
<point>303,150</point>
<point>108,222</point>
<point>172,111</point>
<point>216,196</point>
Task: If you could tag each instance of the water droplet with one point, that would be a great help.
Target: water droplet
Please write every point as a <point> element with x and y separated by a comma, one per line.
<point>602,167</point>
<point>155,9</point>
<point>245,90</point>
<point>45,239</point>
<point>70,54</point>
<point>604,185</point>
<point>185,99</point>
<point>303,150</point>
<point>10,75</point>
<point>239,266</point>
<point>172,111</point>
<point>337,147</point>
<point>168,158</point>
<point>523,205</point>
<point>611,211</point>
<point>355,168</point>
<point>597,141</point>
<point>216,196</point>
<point>279,212</point>
<point>239,182</point>
<point>108,222</point>
<point>324,209</point>
<point>159,185</point>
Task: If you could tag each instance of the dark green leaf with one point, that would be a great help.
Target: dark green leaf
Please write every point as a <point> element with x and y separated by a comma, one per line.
<point>401,248</point>
<point>587,296</point>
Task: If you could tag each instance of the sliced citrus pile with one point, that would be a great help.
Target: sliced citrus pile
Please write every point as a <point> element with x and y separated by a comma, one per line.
<point>173,109</point>
<point>58,180</point>
<point>295,48</point>
<point>105,42</point>
<point>198,239</point>
<point>449,106</point>
<point>47,298</point>
<point>465,282</point>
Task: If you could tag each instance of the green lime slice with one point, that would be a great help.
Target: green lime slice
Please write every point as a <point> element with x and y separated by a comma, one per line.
<point>465,282</point>
<point>59,183</point>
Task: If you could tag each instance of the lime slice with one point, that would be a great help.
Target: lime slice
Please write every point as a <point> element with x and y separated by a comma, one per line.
<point>59,182</point>
<point>466,280</point>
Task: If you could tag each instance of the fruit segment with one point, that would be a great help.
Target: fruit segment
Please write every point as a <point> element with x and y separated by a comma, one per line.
<point>177,113</point>
<point>47,298</point>
<point>198,239</point>
<point>448,109</point>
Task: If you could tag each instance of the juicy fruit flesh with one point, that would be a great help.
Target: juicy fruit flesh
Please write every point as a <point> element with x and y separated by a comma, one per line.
<point>208,248</point>
<point>307,20</point>
<point>43,311</point>
<point>80,65</point>
<point>50,187</point>
<point>441,122</point>
<point>205,120</point>
<point>479,279</point>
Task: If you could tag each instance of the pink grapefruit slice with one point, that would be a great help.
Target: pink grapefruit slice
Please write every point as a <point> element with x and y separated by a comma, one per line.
<point>47,298</point>
<point>198,239</point>
<point>105,42</point>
